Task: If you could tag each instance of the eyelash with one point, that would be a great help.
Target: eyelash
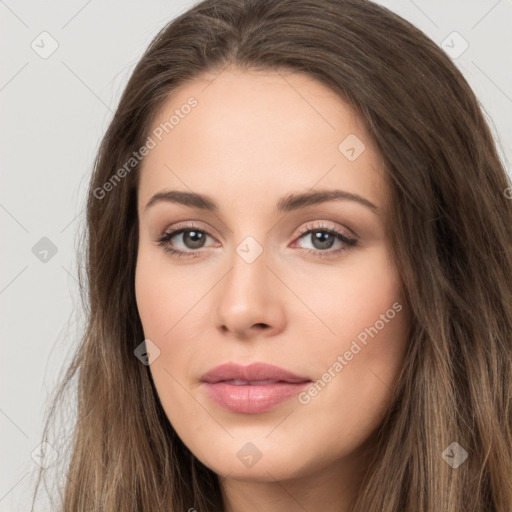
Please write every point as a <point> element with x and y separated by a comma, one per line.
<point>349,242</point>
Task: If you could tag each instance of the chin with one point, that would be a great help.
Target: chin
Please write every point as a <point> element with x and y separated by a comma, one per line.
<point>256,461</point>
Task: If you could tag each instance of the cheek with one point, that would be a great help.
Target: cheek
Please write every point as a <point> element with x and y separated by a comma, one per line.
<point>163,296</point>
<point>167,301</point>
<point>365,331</point>
<point>351,298</point>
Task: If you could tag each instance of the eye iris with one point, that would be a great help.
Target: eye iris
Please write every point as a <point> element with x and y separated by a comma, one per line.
<point>193,239</point>
<point>320,238</point>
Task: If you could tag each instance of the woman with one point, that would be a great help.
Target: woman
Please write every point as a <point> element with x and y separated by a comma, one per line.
<point>228,366</point>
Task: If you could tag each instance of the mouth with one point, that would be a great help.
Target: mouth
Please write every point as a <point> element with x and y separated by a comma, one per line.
<point>252,389</point>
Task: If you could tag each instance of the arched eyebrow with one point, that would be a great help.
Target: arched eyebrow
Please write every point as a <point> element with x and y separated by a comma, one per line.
<point>286,204</point>
<point>296,201</point>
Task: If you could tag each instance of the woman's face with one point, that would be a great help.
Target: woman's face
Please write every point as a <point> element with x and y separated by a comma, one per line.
<point>271,269</point>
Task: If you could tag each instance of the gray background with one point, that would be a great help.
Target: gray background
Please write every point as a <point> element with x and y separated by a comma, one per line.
<point>54,111</point>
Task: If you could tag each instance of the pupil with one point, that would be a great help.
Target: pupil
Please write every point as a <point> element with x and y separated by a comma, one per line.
<point>320,242</point>
<point>193,239</point>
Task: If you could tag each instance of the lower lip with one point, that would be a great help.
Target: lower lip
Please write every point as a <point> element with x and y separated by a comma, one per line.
<point>252,399</point>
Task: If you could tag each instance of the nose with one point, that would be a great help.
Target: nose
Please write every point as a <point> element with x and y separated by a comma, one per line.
<point>248,302</point>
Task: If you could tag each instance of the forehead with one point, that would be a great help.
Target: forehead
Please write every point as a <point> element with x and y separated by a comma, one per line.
<point>256,133</point>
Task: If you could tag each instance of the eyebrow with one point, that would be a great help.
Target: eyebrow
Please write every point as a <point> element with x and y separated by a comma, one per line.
<point>287,203</point>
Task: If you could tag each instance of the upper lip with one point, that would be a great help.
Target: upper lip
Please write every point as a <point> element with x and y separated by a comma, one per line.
<point>252,372</point>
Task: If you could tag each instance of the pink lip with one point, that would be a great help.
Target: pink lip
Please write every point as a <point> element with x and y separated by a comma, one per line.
<point>254,371</point>
<point>252,397</point>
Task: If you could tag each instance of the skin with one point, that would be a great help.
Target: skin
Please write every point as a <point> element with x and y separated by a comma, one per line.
<point>253,138</point>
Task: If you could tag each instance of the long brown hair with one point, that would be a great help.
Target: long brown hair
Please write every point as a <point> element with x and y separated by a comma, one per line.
<point>450,232</point>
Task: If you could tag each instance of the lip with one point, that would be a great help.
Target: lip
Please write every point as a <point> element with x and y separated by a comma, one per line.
<point>224,385</point>
<point>252,372</point>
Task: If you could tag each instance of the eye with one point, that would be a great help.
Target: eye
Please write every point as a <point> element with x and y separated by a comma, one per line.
<point>189,236</point>
<point>323,238</point>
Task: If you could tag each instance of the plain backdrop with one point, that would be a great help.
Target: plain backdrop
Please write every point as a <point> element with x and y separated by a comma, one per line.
<point>54,110</point>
